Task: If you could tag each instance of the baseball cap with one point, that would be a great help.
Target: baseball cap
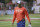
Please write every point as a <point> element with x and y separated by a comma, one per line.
<point>18,2</point>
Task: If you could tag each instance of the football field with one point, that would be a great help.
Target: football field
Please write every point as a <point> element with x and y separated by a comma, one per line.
<point>6,21</point>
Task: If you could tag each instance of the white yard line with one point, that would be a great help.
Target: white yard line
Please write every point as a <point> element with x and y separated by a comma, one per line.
<point>16,22</point>
<point>5,22</point>
<point>35,22</point>
<point>26,18</point>
<point>5,25</point>
<point>34,18</point>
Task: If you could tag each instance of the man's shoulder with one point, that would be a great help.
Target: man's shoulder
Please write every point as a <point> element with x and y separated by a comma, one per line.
<point>23,7</point>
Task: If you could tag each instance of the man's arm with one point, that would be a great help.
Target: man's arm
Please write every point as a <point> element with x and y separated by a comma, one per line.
<point>14,16</point>
<point>27,15</point>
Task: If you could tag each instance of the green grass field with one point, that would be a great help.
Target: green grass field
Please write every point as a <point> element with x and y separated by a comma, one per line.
<point>34,23</point>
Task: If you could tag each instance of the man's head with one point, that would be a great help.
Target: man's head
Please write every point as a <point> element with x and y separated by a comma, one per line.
<point>19,4</point>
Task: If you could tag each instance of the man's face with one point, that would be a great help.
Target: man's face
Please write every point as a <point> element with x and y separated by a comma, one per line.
<point>19,5</point>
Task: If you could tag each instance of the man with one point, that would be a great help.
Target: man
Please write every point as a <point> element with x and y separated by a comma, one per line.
<point>19,14</point>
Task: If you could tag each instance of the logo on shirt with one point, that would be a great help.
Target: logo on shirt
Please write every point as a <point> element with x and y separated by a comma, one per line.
<point>18,10</point>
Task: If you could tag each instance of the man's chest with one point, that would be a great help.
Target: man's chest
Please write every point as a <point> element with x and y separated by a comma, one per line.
<point>19,10</point>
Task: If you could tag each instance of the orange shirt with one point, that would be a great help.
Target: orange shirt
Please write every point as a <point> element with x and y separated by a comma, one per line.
<point>20,13</point>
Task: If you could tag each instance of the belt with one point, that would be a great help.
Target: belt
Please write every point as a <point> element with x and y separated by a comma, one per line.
<point>23,19</point>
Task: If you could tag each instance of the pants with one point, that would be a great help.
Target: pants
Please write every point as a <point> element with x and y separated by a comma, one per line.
<point>21,24</point>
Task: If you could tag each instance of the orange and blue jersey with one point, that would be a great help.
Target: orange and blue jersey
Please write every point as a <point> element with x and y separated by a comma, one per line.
<point>19,14</point>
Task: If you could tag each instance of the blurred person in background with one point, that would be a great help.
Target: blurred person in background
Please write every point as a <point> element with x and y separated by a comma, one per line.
<point>10,7</point>
<point>0,7</point>
<point>19,13</point>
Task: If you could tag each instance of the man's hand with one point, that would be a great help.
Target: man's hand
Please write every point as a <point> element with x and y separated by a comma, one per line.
<point>12,24</point>
<point>30,22</point>
<point>29,25</point>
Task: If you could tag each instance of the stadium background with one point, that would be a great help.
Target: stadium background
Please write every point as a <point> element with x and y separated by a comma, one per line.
<point>7,11</point>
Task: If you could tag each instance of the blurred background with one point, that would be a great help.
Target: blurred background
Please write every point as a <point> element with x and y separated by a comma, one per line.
<point>7,6</point>
<point>7,11</point>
